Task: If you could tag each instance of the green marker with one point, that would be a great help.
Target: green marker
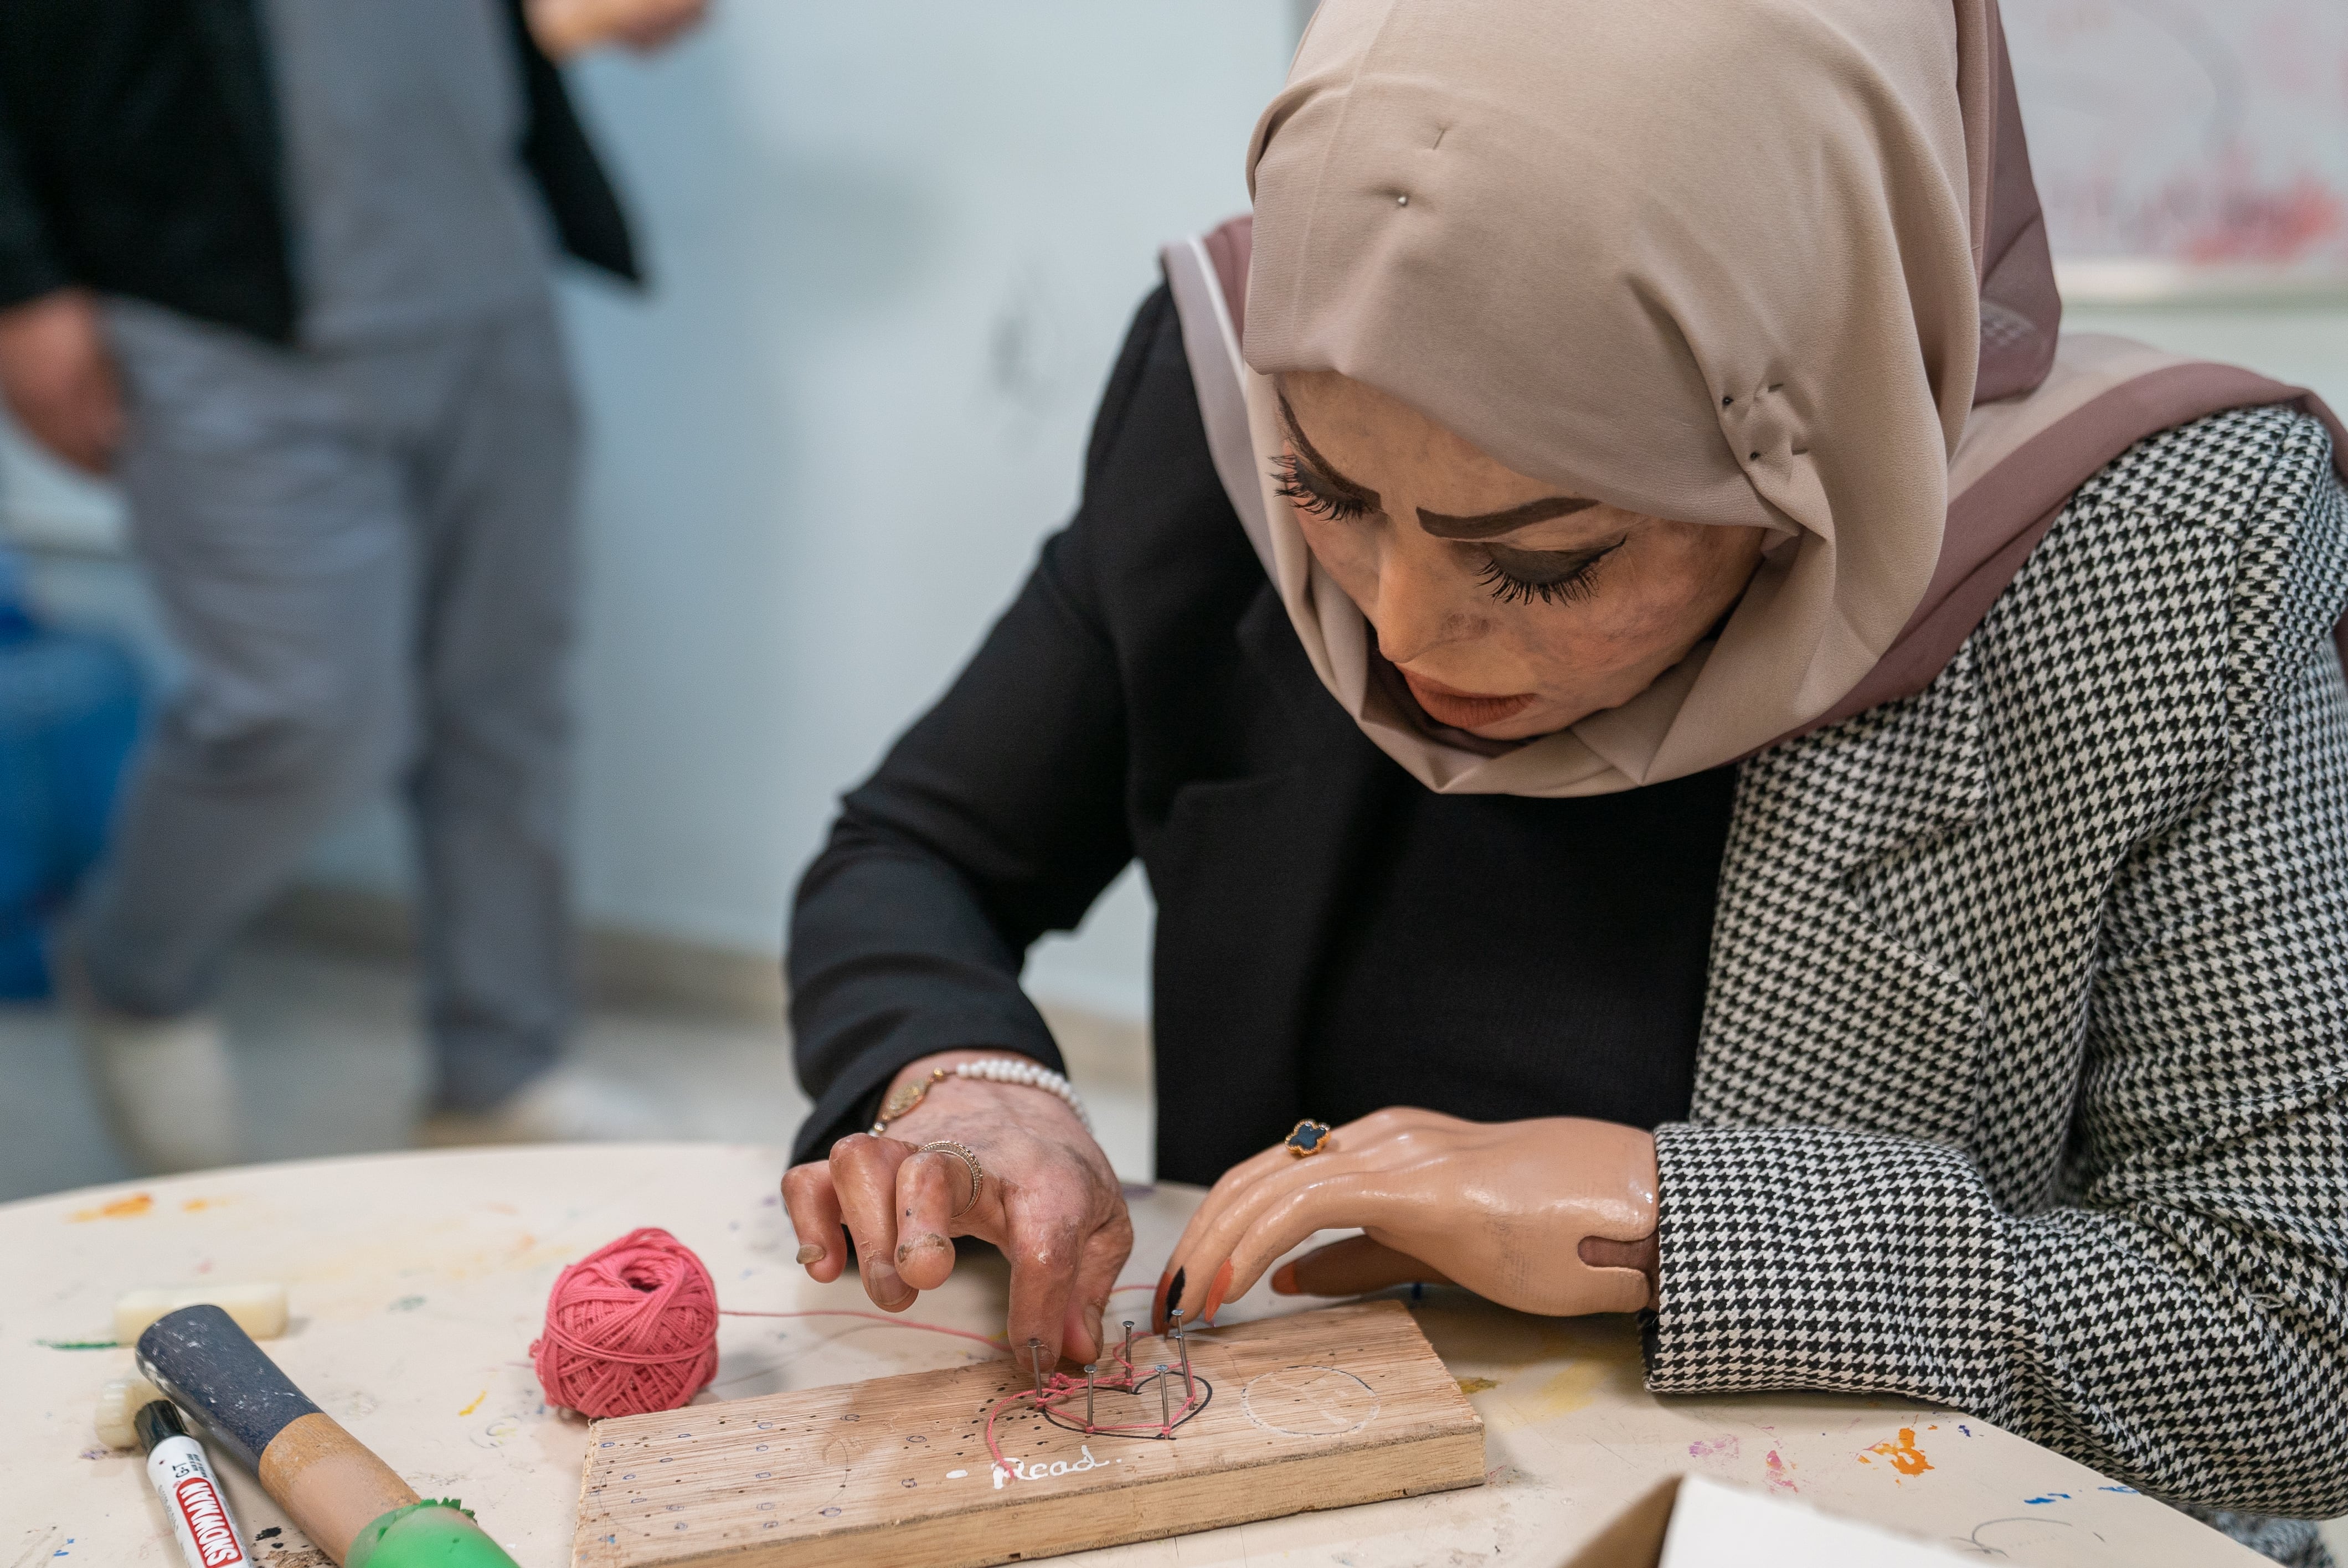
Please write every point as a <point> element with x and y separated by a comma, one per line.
<point>427,1534</point>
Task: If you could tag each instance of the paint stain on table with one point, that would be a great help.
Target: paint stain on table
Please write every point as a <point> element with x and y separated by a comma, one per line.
<point>1905,1456</point>
<point>129,1208</point>
<point>1568,1391</point>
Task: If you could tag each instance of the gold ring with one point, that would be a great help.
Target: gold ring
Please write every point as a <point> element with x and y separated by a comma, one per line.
<point>969,1157</point>
<point>1309,1138</point>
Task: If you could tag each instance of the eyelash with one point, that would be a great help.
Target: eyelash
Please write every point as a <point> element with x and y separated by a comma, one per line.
<point>1509,589</point>
<point>1292,487</point>
<point>1505,586</point>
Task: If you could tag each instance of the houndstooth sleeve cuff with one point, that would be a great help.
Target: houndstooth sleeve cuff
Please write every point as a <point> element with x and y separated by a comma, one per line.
<point>1817,1259</point>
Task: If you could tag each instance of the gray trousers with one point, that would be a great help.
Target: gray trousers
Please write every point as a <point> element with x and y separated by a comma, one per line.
<point>368,558</point>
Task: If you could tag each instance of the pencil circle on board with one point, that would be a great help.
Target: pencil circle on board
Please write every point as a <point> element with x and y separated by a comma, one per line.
<point>1310,1401</point>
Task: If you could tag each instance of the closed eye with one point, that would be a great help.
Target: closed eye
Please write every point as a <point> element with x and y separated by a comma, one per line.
<point>1553,577</point>
<point>1310,482</point>
<point>1311,491</point>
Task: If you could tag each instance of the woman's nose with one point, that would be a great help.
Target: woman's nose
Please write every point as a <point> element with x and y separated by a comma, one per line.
<point>1415,610</point>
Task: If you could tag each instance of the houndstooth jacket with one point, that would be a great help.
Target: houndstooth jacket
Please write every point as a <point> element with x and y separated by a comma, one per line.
<point>2022,1083</point>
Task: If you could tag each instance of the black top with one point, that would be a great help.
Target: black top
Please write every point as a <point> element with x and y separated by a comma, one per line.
<point>1145,695</point>
<point>140,155</point>
<point>1503,957</point>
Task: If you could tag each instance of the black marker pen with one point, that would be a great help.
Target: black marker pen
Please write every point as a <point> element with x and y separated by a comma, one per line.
<point>190,1493</point>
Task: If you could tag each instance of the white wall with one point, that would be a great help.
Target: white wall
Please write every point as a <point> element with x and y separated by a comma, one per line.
<point>895,246</point>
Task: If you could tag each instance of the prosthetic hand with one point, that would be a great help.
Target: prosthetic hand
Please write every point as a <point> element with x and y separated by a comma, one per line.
<point>1555,1215</point>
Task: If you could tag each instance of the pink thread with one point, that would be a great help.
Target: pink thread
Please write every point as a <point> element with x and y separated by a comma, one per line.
<point>631,1328</point>
<point>994,1344</point>
<point>1060,1391</point>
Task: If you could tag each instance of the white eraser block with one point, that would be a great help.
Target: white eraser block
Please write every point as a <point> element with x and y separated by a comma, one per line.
<point>121,1399</point>
<point>258,1309</point>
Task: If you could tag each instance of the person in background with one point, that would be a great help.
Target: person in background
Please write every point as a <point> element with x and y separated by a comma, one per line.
<point>281,268</point>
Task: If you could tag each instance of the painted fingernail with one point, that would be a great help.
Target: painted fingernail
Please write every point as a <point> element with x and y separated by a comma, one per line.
<point>1283,1280</point>
<point>810,1254</point>
<point>1222,1281</point>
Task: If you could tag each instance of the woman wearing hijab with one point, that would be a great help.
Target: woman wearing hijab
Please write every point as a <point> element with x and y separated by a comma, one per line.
<point>1694,756</point>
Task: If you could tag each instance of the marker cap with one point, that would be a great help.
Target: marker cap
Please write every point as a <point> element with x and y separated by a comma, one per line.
<point>155,1421</point>
<point>434,1533</point>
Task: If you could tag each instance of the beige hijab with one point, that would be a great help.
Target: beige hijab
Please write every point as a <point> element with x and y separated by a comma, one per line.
<point>1732,262</point>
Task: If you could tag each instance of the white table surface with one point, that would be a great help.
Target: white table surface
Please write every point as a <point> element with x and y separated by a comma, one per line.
<point>417,1281</point>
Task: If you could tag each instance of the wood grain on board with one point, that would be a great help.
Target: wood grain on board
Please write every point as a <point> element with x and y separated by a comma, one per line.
<point>1323,1410</point>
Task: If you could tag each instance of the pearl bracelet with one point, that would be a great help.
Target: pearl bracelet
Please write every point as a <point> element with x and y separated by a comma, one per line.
<point>987,1069</point>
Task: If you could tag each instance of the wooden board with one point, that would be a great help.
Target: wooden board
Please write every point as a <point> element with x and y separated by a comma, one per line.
<point>1323,1410</point>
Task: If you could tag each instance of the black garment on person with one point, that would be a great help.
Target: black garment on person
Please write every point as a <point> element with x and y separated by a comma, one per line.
<point>140,156</point>
<point>1501,958</point>
<point>1145,696</point>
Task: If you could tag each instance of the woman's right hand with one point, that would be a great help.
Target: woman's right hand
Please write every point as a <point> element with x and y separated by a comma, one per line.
<point>1049,1201</point>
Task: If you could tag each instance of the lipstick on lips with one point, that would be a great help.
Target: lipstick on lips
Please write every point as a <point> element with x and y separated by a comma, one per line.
<point>1463,710</point>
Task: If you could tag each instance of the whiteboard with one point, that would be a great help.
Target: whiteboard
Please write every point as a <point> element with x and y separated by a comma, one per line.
<point>2188,147</point>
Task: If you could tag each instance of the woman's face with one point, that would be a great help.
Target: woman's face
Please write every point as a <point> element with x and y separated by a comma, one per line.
<point>1510,609</point>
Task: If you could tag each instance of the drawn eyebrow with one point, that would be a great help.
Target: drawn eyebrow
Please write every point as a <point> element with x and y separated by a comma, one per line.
<point>1361,495</point>
<point>1443,525</point>
<point>1487,525</point>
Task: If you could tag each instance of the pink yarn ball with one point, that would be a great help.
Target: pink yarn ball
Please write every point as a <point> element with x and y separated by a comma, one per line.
<point>629,1329</point>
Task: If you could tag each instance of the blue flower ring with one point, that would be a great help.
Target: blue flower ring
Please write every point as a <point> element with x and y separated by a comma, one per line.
<point>1310,1138</point>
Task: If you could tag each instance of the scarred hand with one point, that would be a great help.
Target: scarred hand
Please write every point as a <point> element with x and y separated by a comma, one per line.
<point>1555,1215</point>
<point>1049,1201</point>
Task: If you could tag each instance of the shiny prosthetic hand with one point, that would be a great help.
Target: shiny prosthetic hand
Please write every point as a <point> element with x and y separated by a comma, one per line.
<point>1555,1215</point>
